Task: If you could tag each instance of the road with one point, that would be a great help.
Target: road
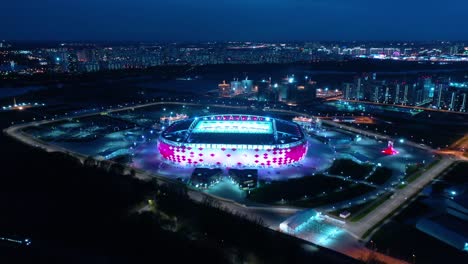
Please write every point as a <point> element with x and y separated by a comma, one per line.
<point>401,106</point>
<point>401,196</point>
<point>348,245</point>
<point>457,149</point>
<point>272,216</point>
<point>374,135</point>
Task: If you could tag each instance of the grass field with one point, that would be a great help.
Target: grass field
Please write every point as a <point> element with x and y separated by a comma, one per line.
<point>347,167</point>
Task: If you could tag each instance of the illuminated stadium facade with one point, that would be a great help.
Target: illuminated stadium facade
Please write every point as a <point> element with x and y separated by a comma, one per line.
<point>233,141</point>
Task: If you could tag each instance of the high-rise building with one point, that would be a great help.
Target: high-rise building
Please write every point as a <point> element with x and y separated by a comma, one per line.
<point>285,87</point>
<point>440,100</point>
<point>463,103</point>
<point>82,56</point>
<point>247,85</point>
<point>376,51</point>
<point>265,91</point>
<point>310,92</point>
<point>428,89</point>
<point>295,90</point>
<point>89,67</point>
<point>348,89</point>
<point>336,50</point>
<point>405,94</point>
<point>368,88</point>
<point>358,51</point>
<point>237,87</point>
<point>224,89</point>
<point>401,90</point>
<point>72,61</point>
<point>458,97</point>
<point>387,95</point>
<point>397,97</point>
<point>375,92</point>
<point>408,51</point>
<point>12,66</point>
<point>358,95</point>
<point>454,50</point>
<point>415,95</point>
<point>391,52</point>
<point>347,51</point>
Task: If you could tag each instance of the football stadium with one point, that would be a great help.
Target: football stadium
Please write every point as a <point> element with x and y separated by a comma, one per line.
<point>230,140</point>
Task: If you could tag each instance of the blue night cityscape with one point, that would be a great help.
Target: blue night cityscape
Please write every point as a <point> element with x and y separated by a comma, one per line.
<point>248,131</point>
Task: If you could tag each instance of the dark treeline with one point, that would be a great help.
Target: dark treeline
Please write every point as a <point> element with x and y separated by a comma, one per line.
<point>162,72</point>
<point>76,214</point>
<point>157,73</point>
<point>249,238</point>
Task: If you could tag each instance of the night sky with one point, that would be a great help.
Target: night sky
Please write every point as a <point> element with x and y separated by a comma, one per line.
<point>201,20</point>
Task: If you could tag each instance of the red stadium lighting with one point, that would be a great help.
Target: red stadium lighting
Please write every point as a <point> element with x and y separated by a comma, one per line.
<point>247,141</point>
<point>390,150</point>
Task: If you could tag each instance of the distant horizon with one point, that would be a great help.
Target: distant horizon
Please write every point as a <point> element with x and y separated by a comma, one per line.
<point>210,20</point>
<point>85,41</point>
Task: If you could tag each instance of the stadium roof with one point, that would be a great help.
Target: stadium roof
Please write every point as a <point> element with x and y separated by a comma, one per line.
<point>234,129</point>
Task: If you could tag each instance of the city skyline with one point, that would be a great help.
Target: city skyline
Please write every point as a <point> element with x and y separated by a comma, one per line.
<point>208,20</point>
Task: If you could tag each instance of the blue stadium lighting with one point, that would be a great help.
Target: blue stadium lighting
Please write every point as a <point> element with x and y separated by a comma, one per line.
<point>220,126</point>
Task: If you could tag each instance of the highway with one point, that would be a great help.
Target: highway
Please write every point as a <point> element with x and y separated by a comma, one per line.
<point>457,149</point>
<point>401,106</point>
<point>374,135</point>
<point>401,196</point>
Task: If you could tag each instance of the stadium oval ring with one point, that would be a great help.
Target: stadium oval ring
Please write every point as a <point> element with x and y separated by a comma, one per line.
<point>233,140</point>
